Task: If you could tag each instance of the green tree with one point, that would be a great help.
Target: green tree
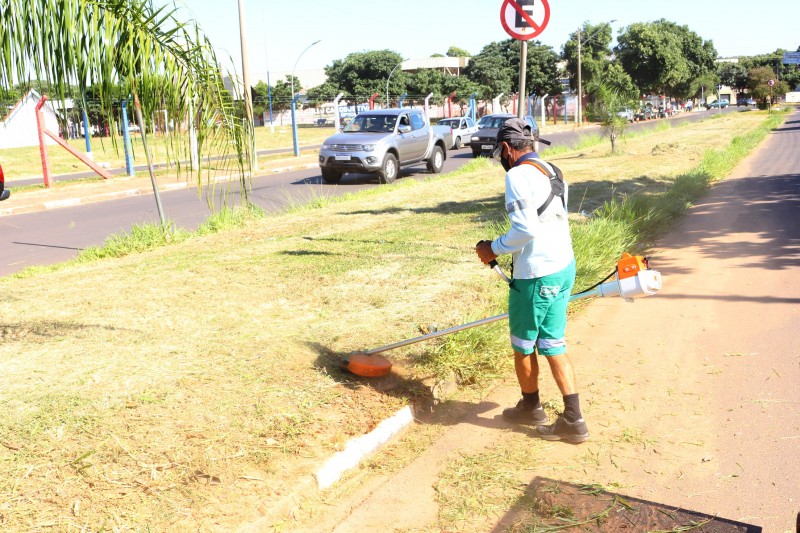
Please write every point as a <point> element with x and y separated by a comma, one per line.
<point>455,51</point>
<point>365,73</point>
<point>261,93</point>
<point>100,44</point>
<point>774,60</point>
<point>491,71</point>
<point>322,94</point>
<point>758,86</point>
<point>733,75</point>
<point>663,57</point>
<point>595,52</point>
<point>496,69</point>
<point>702,86</point>
<point>612,92</point>
<point>282,94</point>
<point>425,81</point>
<point>462,87</point>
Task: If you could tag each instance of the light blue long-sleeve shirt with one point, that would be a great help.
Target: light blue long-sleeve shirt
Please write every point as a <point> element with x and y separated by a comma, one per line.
<point>540,245</point>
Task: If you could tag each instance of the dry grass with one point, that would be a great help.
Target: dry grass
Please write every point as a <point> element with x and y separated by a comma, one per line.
<point>189,388</point>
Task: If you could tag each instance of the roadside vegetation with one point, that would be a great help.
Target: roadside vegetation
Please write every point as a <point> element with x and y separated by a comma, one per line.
<point>172,380</point>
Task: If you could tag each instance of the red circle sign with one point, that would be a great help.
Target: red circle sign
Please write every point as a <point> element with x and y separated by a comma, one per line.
<point>524,19</point>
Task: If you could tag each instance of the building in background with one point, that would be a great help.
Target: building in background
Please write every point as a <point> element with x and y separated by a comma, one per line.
<point>18,128</point>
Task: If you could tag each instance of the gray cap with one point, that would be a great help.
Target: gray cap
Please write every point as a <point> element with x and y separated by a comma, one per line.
<point>511,130</point>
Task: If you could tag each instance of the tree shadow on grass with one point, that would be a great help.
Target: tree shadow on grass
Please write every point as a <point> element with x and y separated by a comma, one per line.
<point>552,505</point>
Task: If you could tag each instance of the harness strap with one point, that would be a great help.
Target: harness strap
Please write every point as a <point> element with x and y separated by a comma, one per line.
<point>557,176</point>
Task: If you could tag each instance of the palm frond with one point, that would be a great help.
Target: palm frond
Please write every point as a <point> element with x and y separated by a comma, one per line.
<point>105,45</point>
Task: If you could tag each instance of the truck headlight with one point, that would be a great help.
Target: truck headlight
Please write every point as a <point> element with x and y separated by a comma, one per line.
<point>474,138</point>
<point>368,147</point>
<point>326,146</point>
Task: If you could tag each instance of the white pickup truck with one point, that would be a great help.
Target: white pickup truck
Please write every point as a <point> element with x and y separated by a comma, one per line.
<point>380,142</point>
<point>462,128</point>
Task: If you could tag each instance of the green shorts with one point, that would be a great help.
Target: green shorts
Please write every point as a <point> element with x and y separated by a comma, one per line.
<point>537,312</point>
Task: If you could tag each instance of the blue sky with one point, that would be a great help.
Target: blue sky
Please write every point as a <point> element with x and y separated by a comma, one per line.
<point>278,31</point>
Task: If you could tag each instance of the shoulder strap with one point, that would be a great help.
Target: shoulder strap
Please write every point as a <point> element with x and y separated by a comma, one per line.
<point>556,183</point>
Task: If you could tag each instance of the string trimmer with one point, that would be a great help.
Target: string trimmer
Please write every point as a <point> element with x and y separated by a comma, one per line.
<point>633,278</point>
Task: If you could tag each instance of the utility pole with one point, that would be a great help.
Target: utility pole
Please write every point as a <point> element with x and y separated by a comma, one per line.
<point>248,102</point>
<point>579,114</point>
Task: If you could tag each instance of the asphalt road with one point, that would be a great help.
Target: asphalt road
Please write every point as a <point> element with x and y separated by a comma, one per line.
<point>56,235</point>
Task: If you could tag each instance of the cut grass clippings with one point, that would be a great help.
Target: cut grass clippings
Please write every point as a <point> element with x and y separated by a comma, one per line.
<point>191,386</point>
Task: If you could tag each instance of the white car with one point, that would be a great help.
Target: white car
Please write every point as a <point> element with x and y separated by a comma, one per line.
<point>463,128</point>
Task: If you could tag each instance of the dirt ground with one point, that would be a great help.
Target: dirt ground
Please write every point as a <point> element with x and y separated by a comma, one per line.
<point>690,397</point>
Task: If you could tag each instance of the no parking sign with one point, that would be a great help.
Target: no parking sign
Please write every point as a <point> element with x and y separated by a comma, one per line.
<point>524,19</point>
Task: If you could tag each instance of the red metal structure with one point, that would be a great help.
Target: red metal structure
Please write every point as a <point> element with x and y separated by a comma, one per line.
<point>450,104</point>
<point>4,194</point>
<point>48,181</point>
<point>372,101</point>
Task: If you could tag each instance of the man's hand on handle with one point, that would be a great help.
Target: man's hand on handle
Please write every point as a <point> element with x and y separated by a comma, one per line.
<point>484,251</point>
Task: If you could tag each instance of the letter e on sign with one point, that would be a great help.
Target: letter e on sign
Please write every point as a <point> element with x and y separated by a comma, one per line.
<point>524,19</point>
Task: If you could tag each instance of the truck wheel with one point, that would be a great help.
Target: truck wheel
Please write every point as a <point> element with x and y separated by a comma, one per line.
<point>331,176</point>
<point>458,144</point>
<point>388,172</point>
<point>436,160</point>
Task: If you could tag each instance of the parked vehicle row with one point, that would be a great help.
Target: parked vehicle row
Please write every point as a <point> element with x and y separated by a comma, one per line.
<point>462,128</point>
<point>723,103</point>
<point>484,140</point>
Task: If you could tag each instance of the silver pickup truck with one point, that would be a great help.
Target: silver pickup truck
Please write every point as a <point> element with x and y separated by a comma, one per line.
<point>380,142</point>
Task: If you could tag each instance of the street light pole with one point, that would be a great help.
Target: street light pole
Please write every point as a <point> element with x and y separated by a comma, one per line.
<point>387,81</point>
<point>579,114</point>
<point>294,119</point>
<point>248,102</point>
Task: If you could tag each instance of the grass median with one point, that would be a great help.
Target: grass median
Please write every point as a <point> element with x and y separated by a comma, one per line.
<point>190,380</point>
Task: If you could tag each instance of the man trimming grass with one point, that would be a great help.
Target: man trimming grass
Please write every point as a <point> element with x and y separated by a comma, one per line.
<point>543,276</point>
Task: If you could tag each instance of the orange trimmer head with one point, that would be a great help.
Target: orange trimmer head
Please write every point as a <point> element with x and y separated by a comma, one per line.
<point>370,366</point>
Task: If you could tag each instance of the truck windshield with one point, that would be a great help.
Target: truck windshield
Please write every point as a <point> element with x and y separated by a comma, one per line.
<point>371,123</point>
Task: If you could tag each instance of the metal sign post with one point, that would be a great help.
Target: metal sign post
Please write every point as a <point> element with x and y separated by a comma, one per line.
<point>524,20</point>
<point>770,83</point>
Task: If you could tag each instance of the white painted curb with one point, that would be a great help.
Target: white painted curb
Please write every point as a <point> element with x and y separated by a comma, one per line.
<point>359,448</point>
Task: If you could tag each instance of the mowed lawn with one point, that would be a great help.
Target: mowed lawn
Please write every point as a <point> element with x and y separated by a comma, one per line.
<point>191,387</point>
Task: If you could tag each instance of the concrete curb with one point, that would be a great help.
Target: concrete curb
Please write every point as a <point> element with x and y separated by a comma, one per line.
<point>99,197</point>
<point>90,198</point>
<point>356,450</point>
<point>359,448</point>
